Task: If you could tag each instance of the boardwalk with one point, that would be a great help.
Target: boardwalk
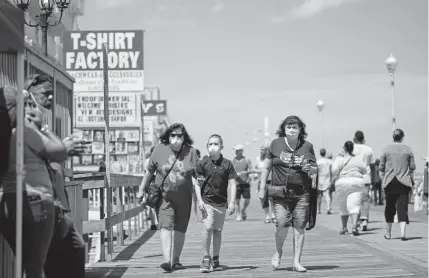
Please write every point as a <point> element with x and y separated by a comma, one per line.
<point>248,247</point>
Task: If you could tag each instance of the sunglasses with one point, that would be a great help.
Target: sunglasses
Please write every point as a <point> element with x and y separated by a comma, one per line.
<point>174,135</point>
<point>40,79</point>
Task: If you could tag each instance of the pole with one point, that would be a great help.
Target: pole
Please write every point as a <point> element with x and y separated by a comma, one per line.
<point>392,86</point>
<point>266,133</point>
<point>19,164</point>
<point>321,129</point>
<point>44,26</point>
<point>107,153</point>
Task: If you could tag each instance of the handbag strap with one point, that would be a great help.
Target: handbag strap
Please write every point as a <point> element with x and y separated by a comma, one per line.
<point>342,168</point>
<point>206,182</point>
<point>171,168</point>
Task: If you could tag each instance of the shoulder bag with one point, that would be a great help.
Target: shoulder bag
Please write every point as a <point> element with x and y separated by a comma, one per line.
<point>155,191</point>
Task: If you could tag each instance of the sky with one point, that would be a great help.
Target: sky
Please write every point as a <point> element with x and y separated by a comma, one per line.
<point>225,65</point>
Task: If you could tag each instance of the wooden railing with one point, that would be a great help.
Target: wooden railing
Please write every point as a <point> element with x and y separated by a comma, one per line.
<point>126,212</point>
<point>84,190</point>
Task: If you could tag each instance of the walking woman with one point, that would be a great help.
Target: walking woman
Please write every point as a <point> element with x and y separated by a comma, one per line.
<point>40,146</point>
<point>397,168</point>
<point>348,171</point>
<point>291,159</point>
<point>175,162</point>
<point>267,203</point>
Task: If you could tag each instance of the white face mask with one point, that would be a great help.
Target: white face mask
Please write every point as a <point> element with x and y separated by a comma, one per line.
<point>213,149</point>
<point>176,142</point>
<point>292,132</point>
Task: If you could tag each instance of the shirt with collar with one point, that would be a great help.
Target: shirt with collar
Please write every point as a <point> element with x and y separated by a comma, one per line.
<point>216,175</point>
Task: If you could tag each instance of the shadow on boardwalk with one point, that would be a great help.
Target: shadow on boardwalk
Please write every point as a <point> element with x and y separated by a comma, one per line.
<point>248,246</point>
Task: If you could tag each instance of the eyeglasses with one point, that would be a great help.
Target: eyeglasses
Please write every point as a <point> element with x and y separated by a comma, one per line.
<point>173,135</point>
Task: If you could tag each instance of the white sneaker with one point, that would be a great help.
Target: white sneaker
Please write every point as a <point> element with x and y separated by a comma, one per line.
<point>275,261</point>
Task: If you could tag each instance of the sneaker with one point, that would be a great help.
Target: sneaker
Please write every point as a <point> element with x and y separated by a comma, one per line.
<point>364,225</point>
<point>216,264</point>
<point>275,261</point>
<point>206,265</point>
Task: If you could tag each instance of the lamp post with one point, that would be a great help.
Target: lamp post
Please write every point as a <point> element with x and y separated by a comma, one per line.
<point>266,132</point>
<point>43,19</point>
<point>320,106</point>
<point>391,64</point>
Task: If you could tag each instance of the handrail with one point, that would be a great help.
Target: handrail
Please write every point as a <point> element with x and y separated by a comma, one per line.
<point>87,187</point>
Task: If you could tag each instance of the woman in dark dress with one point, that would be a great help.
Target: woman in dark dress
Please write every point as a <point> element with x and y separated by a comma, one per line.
<point>175,162</point>
<point>291,159</point>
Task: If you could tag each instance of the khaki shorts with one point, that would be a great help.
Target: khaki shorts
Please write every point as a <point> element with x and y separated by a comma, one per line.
<point>214,217</point>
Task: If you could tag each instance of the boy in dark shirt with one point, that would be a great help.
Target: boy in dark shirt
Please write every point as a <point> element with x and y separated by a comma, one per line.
<point>216,174</point>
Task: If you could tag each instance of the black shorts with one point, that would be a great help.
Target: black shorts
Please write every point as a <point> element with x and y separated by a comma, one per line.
<point>243,190</point>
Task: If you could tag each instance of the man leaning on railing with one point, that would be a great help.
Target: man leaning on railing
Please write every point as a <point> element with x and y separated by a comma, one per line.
<point>66,255</point>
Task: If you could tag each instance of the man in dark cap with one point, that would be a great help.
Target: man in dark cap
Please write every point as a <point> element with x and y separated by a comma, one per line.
<point>66,256</point>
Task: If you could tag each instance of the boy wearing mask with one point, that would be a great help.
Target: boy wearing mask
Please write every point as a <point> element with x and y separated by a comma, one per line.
<point>216,174</point>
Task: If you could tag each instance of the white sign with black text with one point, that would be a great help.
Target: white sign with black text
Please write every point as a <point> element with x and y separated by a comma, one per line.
<point>124,109</point>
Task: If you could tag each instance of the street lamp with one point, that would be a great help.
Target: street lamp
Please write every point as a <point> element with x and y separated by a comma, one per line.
<point>320,105</point>
<point>42,20</point>
<point>391,64</point>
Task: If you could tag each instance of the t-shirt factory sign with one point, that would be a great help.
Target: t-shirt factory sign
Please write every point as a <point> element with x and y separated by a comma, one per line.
<point>83,58</point>
<point>124,109</point>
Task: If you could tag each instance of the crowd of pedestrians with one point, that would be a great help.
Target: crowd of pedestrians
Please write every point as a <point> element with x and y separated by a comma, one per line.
<point>286,173</point>
<point>292,185</point>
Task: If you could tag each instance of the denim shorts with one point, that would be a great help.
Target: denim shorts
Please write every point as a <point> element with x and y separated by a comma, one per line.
<point>293,210</point>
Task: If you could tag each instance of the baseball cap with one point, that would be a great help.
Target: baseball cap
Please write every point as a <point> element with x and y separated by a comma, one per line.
<point>239,147</point>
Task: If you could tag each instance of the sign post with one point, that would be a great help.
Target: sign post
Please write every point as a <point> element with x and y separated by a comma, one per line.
<point>107,153</point>
<point>120,71</point>
<point>12,42</point>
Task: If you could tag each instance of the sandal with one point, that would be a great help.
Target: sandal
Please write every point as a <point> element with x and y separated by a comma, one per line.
<point>178,266</point>
<point>344,231</point>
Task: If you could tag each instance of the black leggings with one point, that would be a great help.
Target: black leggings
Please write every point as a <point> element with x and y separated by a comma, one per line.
<point>397,197</point>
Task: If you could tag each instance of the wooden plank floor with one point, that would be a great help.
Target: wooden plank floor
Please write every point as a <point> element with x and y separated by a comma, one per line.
<point>247,250</point>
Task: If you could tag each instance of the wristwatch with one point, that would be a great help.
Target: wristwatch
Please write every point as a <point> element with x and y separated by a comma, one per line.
<point>44,128</point>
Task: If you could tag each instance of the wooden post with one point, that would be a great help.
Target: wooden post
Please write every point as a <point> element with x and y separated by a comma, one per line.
<point>119,208</point>
<point>102,236</point>
<point>129,206</point>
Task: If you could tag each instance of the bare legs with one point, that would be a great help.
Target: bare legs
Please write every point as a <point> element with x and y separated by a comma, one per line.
<point>172,255</point>
<point>389,229</point>
<point>281,234</point>
<point>327,195</point>
<point>241,213</point>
